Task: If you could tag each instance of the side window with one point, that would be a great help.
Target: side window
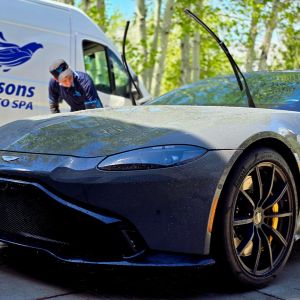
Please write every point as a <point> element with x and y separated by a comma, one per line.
<point>95,61</point>
<point>120,76</point>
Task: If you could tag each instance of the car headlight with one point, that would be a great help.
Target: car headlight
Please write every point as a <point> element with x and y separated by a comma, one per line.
<point>151,158</point>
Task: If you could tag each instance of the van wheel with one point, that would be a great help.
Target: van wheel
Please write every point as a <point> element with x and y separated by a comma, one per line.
<point>257,218</point>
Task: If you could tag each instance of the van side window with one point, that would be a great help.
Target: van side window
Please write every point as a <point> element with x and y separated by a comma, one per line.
<point>95,61</point>
<point>120,76</point>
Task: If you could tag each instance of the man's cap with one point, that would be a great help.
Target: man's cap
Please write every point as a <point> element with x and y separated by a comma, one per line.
<point>60,69</point>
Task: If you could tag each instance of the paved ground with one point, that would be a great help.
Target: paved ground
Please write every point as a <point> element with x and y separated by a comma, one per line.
<point>31,276</point>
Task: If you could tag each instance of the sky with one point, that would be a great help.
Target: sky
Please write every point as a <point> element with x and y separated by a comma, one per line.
<point>127,7</point>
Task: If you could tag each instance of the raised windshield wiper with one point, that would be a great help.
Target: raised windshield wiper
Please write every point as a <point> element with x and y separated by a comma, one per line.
<point>126,67</point>
<point>237,72</point>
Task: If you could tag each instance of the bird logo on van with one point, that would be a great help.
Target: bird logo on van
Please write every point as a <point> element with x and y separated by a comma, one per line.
<point>12,55</point>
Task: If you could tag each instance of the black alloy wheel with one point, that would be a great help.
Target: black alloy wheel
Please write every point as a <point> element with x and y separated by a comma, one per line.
<point>258,217</point>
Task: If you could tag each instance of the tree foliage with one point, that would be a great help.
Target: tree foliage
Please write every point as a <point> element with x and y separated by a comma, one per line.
<point>168,49</point>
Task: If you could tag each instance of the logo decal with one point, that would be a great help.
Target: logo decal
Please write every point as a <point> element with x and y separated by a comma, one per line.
<point>9,158</point>
<point>77,94</point>
<point>59,70</point>
<point>12,55</point>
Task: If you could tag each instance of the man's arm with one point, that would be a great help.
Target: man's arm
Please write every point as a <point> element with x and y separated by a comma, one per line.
<point>54,97</point>
<point>90,90</point>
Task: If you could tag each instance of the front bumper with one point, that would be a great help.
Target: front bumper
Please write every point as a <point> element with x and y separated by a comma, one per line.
<point>167,208</point>
<point>33,217</point>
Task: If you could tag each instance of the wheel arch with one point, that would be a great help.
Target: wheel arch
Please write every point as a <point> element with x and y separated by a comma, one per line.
<point>270,142</point>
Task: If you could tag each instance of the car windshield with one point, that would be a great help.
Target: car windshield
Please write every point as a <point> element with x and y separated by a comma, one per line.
<point>277,90</point>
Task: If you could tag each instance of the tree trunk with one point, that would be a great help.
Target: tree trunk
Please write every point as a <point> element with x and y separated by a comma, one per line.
<point>164,38</point>
<point>86,5</point>
<point>101,10</point>
<point>153,52</point>
<point>270,26</point>
<point>195,67</point>
<point>196,57</point>
<point>142,36</point>
<point>250,56</point>
<point>185,60</point>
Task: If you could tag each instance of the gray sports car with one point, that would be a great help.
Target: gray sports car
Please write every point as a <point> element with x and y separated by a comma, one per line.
<point>193,177</point>
<point>160,185</point>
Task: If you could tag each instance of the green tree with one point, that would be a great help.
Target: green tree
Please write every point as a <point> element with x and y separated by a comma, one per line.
<point>168,49</point>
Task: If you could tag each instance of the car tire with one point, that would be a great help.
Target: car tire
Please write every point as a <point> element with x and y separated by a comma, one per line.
<point>256,218</point>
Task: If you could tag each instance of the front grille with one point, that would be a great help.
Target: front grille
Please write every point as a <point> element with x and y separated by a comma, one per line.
<point>29,216</point>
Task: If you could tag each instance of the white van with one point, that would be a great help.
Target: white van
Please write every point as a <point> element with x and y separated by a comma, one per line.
<point>34,33</point>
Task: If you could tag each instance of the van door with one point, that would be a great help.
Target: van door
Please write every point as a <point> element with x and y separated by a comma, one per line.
<point>106,70</point>
<point>32,35</point>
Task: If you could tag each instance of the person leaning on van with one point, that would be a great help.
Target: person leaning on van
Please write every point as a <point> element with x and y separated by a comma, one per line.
<point>76,88</point>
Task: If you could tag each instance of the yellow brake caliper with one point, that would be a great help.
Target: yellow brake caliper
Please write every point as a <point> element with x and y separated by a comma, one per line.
<point>275,209</point>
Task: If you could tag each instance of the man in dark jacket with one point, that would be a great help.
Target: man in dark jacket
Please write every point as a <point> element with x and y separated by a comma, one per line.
<point>76,88</point>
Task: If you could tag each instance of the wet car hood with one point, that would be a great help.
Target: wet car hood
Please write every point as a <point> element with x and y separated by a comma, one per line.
<point>107,131</point>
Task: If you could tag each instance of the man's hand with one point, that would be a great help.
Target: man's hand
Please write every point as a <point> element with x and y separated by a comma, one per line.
<point>54,108</point>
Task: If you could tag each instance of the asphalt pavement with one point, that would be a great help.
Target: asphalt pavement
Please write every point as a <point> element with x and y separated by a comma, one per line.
<point>29,275</point>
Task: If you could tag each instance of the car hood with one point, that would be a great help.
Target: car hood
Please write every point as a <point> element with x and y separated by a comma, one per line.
<point>103,132</point>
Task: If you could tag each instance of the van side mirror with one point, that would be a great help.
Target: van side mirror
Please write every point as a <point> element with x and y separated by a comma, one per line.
<point>136,80</point>
<point>134,91</point>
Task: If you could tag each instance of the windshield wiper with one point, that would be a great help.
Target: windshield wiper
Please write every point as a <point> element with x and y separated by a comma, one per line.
<point>237,72</point>
<point>126,67</point>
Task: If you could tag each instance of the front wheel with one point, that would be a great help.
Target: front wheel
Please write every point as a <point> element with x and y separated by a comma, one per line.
<point>257,218</point>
